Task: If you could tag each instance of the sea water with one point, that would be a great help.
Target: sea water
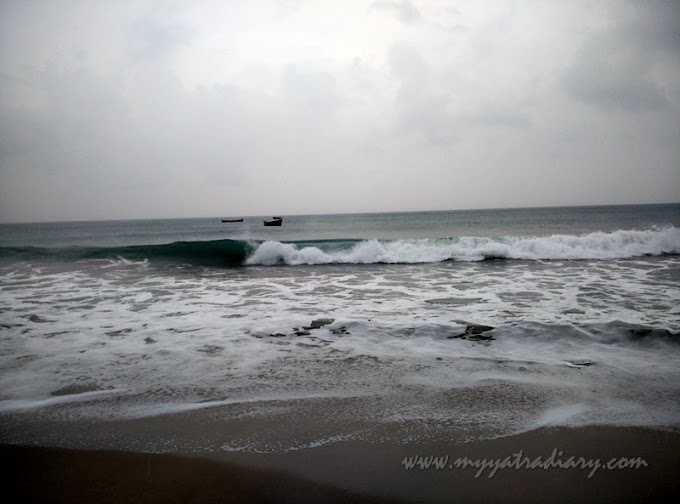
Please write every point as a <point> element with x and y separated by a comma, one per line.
<point>132,319</point>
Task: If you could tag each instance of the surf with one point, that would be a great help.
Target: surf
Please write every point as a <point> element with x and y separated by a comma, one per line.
<point>621,244</point>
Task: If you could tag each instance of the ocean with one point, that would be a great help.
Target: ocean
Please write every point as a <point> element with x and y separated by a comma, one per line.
<point>483,323</point>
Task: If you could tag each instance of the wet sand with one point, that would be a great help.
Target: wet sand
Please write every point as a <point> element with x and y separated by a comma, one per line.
<point>355,471</point>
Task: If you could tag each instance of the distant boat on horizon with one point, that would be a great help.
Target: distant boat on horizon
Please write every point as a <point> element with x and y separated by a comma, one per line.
<point>232,220</point>
<point>275,221</point>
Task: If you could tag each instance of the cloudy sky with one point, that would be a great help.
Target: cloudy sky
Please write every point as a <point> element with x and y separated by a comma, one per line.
<point>141,109</point>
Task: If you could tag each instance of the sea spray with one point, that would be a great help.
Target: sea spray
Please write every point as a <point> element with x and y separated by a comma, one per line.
<point>622,244</point>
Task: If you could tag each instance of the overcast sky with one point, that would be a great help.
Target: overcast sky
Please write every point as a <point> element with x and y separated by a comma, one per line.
<point>141,109</point>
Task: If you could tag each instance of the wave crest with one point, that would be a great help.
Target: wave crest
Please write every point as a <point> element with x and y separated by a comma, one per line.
<point>231,253</point>
<point>615,245</point>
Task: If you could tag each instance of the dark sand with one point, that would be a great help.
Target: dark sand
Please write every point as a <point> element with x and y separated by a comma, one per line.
<point>354,472</point>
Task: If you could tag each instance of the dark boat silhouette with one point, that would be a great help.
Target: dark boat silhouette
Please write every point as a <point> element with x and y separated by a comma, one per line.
<point>232,220</point>
<point>275,221</point>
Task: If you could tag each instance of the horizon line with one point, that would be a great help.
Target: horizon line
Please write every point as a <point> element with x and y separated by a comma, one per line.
<point>259,216</point>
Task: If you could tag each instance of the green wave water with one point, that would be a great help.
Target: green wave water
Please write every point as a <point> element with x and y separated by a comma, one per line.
<point>619,244</point>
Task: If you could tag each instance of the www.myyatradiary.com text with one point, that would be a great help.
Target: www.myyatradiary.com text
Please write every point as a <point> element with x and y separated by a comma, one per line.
<point>519,461</point>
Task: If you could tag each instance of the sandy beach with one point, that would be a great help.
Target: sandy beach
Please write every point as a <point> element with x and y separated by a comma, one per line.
<point>345,471</point>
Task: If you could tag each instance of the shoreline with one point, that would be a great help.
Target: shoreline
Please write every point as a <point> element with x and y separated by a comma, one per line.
<point>351,471</point>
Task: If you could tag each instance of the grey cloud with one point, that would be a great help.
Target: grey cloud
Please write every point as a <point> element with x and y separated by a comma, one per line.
<point>654,26</point>
<point>134,140</point>
<point>171,114</point>
<point>111,133</point>
<point>420,106</point>
<point>617,67</point>
<point>79,114</point>
<point>612,78</point>
<point>150,39</point>
<point>502,118</point>
<point>229,123</point>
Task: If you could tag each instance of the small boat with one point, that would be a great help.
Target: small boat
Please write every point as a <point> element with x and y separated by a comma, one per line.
<point>276,221</point>
<point>232,220</point>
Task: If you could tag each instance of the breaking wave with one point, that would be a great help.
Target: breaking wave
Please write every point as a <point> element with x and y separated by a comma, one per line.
<point>615,245</point>
<point>622,244</point>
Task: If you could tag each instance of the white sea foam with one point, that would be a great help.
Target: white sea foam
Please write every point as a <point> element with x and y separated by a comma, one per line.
<point>615,245</point>
<point>163,342</point>
<point>30,404</point>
